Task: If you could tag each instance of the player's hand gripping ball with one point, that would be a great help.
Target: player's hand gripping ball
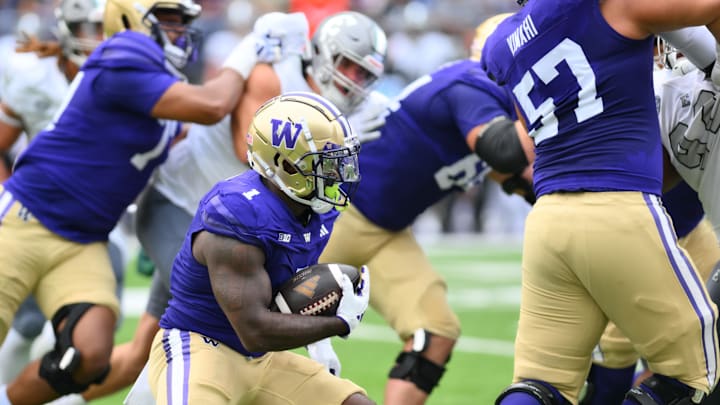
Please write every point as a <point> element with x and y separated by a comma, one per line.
<point>314,290</point>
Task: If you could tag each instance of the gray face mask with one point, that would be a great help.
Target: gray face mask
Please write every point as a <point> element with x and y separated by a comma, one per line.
<point>183,50</point>
<point>347,38</point>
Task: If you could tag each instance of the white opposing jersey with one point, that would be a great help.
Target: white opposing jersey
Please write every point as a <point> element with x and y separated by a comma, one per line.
<point>207,156</point>
<point>33,88</point>
<point>689,125</point>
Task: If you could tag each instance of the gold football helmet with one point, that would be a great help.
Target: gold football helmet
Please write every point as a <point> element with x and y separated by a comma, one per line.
<point>142,16</point>
<point>483,31</point>
<point>304,145</point>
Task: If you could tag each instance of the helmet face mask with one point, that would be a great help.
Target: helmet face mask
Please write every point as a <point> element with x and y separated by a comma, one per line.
<point>79,28</point>
<point>167,22</point>
<point>302,144</point>
<point>344,43</point>
<point>169,26</point>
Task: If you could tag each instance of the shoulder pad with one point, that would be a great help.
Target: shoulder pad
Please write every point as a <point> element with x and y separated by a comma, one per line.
<point>231,212</point>
<point>128,49</point>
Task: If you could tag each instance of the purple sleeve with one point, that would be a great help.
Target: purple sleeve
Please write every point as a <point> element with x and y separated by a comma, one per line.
<point>133,90</point>
<point>472,106</point>
<point>238,223</point>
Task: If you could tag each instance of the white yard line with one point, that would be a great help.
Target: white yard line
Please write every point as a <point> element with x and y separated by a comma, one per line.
<point>467,344</point>
<point>135,299</point>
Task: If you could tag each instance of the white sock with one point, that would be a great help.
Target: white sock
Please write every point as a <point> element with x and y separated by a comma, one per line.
<point>140,393</point>
<point>72,399</point>
<point>14,356</point>
<point>43,343</point>
<point>3,395</point>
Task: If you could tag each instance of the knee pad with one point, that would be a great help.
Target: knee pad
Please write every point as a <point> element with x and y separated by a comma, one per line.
<point>57,366</point>
<point>660,390</point>
<point>412,366</point>
<point>542,392</point>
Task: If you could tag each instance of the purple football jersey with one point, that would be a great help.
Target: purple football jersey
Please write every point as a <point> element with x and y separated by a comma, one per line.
<point>422,155</point>
<point>570,74</point>
<point>78,176</point>
<point>241,208</point>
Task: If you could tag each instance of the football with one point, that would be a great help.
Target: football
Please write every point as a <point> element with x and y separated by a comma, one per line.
<point>314,290</point>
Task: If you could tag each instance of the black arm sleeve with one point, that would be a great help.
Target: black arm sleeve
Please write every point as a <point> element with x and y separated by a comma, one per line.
<point>498,145</point>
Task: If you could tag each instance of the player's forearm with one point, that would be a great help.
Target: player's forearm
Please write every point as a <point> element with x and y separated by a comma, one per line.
<point>274,331</point>
<point>205,104</point>
<point>223,91</point>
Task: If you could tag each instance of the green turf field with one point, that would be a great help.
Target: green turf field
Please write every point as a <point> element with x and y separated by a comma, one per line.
<point>483,280</point>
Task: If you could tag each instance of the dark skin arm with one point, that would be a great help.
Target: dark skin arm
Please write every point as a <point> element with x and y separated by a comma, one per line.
<point>201,104</point>
<point>242,288</point>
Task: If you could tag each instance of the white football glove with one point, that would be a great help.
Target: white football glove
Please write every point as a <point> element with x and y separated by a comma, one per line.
<point>683,67</point>
<point>369,117</point>
<point>280,35</point>
<point>322,352</point>
<point>275,36</point>
<point>354,302</point>
<point>243,57</point>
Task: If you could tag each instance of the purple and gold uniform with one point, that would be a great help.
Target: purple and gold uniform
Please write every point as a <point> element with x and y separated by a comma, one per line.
<point>598,243</point>
<point>420,157</point>
<point>696,236</point>
<point>75,179</point>
<point>197,346</point>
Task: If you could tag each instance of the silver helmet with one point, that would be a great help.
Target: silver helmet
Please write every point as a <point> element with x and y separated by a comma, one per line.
<point>75,17</point>
<point>341,40</point>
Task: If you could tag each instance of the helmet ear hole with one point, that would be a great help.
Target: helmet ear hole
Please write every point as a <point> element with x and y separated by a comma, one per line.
<point>125,21</point>
<point>289,169</point>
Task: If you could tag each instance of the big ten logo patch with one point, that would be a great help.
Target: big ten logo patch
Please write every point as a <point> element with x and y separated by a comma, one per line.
<point>285,131</point>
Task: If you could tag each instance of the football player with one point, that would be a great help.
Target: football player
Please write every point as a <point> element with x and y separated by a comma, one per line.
<point>33,85</point>
<point>342,62</point>
<point>598,244</point>
<point>614,359</point>
<point>613,370</point>
<point>213,144</point>
<point>70,186</point>
<point>443,134</point>
<point>689,125</point>
<point>250,234</point>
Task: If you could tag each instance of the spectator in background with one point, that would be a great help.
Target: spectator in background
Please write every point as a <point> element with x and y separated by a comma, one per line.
<point>316,10</point>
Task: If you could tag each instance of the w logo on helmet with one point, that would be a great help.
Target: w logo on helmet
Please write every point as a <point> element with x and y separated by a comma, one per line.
<point>285,130</point>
